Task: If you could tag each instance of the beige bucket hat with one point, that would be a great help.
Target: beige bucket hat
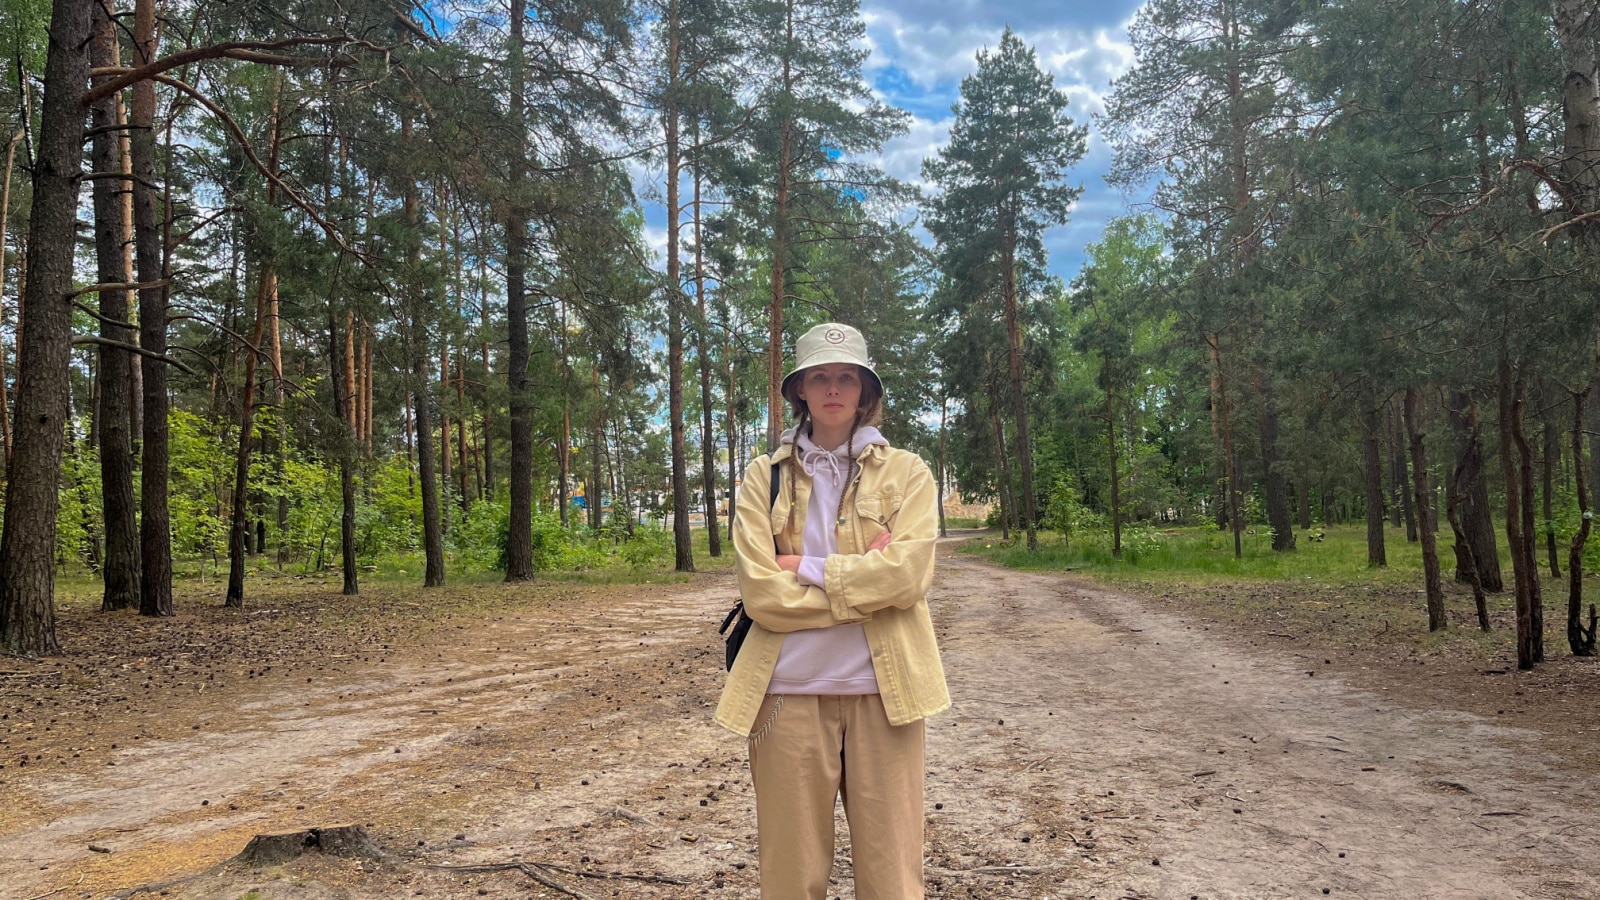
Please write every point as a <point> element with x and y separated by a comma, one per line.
<point>830,342</point>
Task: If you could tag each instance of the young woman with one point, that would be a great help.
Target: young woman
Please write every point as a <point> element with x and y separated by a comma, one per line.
<point>841,666</point>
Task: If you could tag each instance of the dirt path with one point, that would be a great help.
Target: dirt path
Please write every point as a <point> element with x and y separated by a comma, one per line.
<point>1097,749</point>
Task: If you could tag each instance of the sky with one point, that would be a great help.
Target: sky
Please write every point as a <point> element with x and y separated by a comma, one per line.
<point>920,51</point>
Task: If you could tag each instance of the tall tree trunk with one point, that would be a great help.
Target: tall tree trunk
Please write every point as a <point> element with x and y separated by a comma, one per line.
<point>282,456</point>
<point>1229,461</point>
<point>1525,573</point>
<point>1433,585</point>
<point>595,495</point>
<point>444,433</point>
<point>682,540</point>
<point>1477,527</point>
<point>27,549</point>
<point>1019,399</point>
<point>150,242</point>
<point>1579,638</point>
<point>1006,501</point>
<point>1397,459</point>
<point>731,403</point>
<point>780,249</point>
<point>5,231</point>
<point>708,450</point>
<point>1277,488</point>
<point>1372,472</point>
<point>564,447</point>
<point>1547,471</point>
<point>519,543</point>
<point>113,417</point>
<point>1111,454</point>
<point>1577,30</point>
<point>267,286</point>
<point>422,393</point>
<point>1221,490</point>
<point>944,412</point>
<point>347,442</point>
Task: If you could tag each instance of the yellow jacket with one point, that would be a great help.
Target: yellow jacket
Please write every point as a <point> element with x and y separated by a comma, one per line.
<point>885,590</point>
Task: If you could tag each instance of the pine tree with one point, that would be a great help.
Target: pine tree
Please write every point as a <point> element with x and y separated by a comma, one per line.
<point>1002,183</point>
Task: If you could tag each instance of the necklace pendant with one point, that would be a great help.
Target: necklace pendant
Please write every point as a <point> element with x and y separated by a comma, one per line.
<point>841,521</point>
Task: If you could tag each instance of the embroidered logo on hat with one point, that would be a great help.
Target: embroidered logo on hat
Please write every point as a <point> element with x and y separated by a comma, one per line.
<point>834,336</point>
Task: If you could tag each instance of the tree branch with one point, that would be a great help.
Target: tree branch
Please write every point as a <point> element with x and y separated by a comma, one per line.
<point>131,348</point>
<point>249,51</point>
<point>116,286</point>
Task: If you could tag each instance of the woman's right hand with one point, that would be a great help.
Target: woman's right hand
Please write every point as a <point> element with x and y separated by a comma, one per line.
<point>880,542</point>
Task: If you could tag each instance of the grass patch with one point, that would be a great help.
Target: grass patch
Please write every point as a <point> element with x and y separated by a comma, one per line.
<point>1204,553</point>
<point>1324,589</point>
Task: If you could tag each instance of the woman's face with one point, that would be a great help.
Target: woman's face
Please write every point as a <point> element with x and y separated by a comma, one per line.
<point>832,393</point>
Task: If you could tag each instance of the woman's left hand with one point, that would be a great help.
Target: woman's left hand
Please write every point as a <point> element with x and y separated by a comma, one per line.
<point>789,563</point>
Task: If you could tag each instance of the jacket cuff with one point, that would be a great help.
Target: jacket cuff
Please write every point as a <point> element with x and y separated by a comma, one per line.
<point>813,571</point>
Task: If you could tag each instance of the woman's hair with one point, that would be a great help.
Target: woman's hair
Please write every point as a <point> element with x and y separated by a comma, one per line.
<point>869,412</point>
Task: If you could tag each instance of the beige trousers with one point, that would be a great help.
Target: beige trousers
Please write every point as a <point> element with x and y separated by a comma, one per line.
<point>808,750</point>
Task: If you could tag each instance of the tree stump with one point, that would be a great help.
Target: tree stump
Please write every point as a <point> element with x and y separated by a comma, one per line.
<point>350,841</point>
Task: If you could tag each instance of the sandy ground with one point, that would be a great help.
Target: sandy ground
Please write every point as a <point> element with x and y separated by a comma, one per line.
<point>1098,748</point>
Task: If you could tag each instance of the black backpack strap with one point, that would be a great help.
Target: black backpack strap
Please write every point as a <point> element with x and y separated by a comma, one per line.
<point>772,493</point>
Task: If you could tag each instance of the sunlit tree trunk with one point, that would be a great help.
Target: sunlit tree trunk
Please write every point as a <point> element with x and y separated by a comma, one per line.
<point>113,418</point>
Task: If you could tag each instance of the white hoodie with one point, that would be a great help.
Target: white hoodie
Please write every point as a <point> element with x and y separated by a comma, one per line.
<point>834,660</point>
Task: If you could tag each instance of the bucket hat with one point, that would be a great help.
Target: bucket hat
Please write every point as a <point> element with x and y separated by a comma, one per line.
<point>830,342</point>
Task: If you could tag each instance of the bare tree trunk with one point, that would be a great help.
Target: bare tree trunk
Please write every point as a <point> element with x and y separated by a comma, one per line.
<point>27,549</point>
<point>5,206</point>
<point>1458,491</point>
<point>519,542</point>
<point>1398,473</point>
<point>1276,486</point>
<point>1372,470</point>
<point>1006,503</point>
<point>1579,638</point>
<point>343,398</point>
<point>1530,640</point>
<point>238,526</point>
<point>708,451</point>
<point>1229,461</point>
<point>597,444</point>
<point>1577,29</point>
<point>1019,399</point>
<point>113,416</point>
<point>682,540</point>
<point>780,251</point>
<point>1221,487</point>
<point>422,399</point>
<point>150,241</point>
<point>1552,461</point>
<point>1477,528</point>
<point>1424,504</point>
<point>944,411</point>
<point>730,401</point>
<point>1111,454</point>
<point>444,433</point>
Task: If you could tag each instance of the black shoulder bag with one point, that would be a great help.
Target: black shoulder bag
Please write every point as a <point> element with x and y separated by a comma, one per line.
<point>737,623</point>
